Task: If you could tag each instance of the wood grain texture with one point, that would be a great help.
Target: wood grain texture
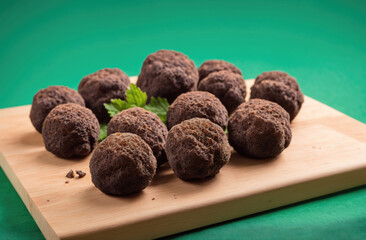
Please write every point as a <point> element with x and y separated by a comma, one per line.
<point>327,154</point>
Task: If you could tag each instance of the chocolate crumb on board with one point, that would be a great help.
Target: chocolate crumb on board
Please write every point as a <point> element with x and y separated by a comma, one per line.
<point>48,200</point>
<point>66,182</point>
<point>70,174</point>
<point>80,173</point>
<point>153,198</point>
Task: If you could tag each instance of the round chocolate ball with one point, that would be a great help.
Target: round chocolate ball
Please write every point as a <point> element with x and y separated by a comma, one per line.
<point>46,99</point>
<point>278,76</point>
<point>167,74</point>
<point>145,124</point>
<point>102,86</point>
<point>227,86</point>
<point>280,88</point>
<point>122,164</point>
<point>70,130</point>
<point>197,148</point>
<point>259,128</point>
<point>197,104</point>
<point>211,66</point>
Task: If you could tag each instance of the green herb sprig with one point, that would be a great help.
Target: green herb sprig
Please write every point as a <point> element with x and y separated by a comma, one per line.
<point>135,97</point>
<point>103,132</point>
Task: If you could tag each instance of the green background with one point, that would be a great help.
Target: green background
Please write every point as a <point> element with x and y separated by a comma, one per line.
<point>321,43</point>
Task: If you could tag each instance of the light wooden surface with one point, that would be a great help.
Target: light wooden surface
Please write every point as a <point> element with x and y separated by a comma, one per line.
<point>327,154</point>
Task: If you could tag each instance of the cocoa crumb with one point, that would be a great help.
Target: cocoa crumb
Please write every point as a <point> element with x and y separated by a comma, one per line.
<point>70,174</point>
<point>153,198</point>
<point>48,200</point>
<point>80,173</point>
<point>66,182</point>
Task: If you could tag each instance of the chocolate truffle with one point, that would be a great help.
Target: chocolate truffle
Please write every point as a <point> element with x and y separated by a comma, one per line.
<point>70,130</point>
<point>197,148</point>
<point>210,66</point>
<point>280,88</point>
<point>259,128</point>
<point>197,104</point>
<point>122,164</point>
<point>146,125</point>
<point>167,74</point>
<point>227,86</point>
<point>46,99</point>
<point>102,86</point>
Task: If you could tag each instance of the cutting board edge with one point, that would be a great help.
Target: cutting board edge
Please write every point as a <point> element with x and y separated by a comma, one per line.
<point>34,211</point>
<point>228,210</point>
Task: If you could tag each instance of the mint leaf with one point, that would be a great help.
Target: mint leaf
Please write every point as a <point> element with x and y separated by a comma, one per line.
<point>103,132</point>
<point>135,96</point>
<point>114,107</point>
<point>159,106</point>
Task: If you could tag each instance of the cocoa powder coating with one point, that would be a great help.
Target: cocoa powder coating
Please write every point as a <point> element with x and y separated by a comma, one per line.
<point>197,104</point>
<point>211,66</point>
<point>102,86</point>
<point>227,86</point>
<point>70,130</point>
<point>46,99</point>
<point>260,129</point>
<point>278,76</point>
<point>280,88</point>
<point>145,124</point>
<point>122,164</point>
<point>167,74</point>
<point>197,148</point>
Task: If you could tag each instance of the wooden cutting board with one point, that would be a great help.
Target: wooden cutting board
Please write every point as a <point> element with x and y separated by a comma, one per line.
<point>327,154</point>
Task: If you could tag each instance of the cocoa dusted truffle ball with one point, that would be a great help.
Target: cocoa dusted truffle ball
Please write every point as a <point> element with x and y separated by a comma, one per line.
<point>197,104</point>
<point>122,164</point>
<point>227,86</point>
<point>197,148</point>
<point>167,74</point>
<point>145,124</point>
<point>70,130</point>
<point>46,99</point>
<point>260,129</point>
<point>210,66</point>
<point>102,86</point>
<point>280,88</point>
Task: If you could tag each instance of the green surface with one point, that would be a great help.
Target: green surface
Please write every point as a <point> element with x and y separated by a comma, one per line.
<point>321,43</point>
